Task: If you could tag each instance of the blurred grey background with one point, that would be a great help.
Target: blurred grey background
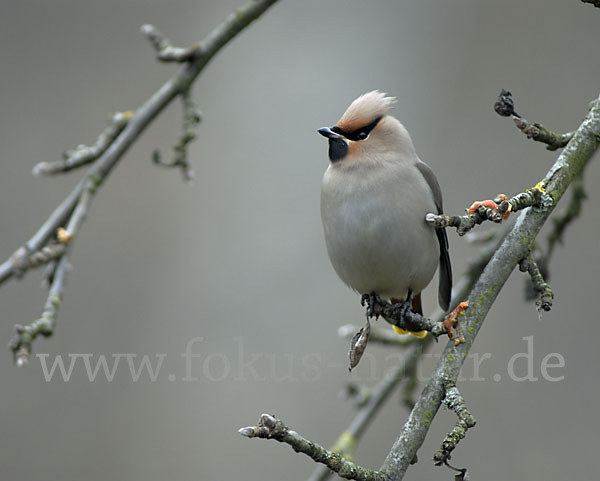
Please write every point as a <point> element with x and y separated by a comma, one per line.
<point>238,259</point>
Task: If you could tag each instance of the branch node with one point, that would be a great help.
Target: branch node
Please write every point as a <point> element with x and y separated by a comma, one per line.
<point>546,296</point>
<point>454,401</point>
<point>166,52</point>
<point>504,107</point>
<point>21,343</point>
<point>191,119</point>
<point>270,427</point>
<point>83,154</point>
<point>480,211</point>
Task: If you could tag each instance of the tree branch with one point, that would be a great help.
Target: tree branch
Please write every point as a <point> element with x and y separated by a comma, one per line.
<point>191,119</point>
<point>489,210</point>
<point>454,401</point>
<point>504,107</point>
<point>111,149</point>
<point>165,51</point>
<point>82,154</point>
<point>514,248</point>
<point>528,265</point>
<point>269,427</point>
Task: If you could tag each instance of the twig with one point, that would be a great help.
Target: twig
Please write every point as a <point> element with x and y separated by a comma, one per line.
<point>380,393</point>
<point>544,303</point>
<point>534,197</point>
<point>348,440</point>
<point>269,427</point>
<point>454,401</point>
<point>165,51</point>
<point>504,107</point>
<point>398,316</point>
<point>191,118</point>
<point>46,254</point>
<point>142,117</point>
<point>82,154</point>
<point>515,247</point>
<point>74,208</point>
<point>21,343</point>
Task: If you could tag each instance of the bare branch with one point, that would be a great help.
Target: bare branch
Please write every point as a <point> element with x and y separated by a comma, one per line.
<point>544,303</point>
<point>21,343</point>
<point>180,82</point>
<point>165,51</point>
<point>346,443</point>
<point>348,440</point>
<point>454,401</point>
<point>515,247</point>
<point>481,211</point>
<point>269,427</point>
<point>109,149</point>
<point>504,107</point>
<point>82,154</point>
<point>191,119</point>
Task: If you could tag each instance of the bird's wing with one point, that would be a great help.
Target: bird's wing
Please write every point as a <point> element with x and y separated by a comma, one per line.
<point>445,286</point>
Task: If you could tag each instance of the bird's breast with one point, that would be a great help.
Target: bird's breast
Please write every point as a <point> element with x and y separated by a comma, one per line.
<point>375,232</point>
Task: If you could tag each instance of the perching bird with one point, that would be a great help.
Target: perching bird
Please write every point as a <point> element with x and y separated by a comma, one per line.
<point>374,198</point>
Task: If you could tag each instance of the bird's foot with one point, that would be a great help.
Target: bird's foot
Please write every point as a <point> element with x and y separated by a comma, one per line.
<point>402,314</point>
<point>451,320</point>
<point>374,304</point>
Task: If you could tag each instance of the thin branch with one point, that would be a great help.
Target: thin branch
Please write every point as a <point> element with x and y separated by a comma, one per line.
<point>504,107</point>
<point>166,52</point>
<point>269,427</point>
<point>543,289</point>
<point>489,210</point>
<point>142,117</point>
<point>21,343</point>
<point>401,316</point>
<point>454,401</point>
<point>46,254</point>
<point>82,154</point>
<point>515,247</point>
<point>381,393</point>
<point>348,440</point>
<point>191,119</point>
<point>74,208</point>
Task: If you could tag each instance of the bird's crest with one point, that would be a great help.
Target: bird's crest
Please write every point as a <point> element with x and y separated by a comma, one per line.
<point>365,109</point>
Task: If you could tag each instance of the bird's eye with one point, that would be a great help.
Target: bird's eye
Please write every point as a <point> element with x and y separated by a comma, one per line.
<point>362,135</point>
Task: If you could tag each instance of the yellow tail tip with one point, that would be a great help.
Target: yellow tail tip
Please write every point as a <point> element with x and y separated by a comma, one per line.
<point>403,332</point>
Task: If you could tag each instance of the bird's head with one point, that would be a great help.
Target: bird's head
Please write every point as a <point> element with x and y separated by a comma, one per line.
<point>366,129</point>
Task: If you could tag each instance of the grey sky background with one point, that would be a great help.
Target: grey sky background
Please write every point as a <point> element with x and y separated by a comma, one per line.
<point>239,260</point>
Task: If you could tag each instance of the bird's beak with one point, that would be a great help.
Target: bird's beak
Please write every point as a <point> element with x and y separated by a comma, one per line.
<point>330,134</point>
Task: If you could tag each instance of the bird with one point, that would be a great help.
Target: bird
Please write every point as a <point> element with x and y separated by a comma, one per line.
<point>375,194</point>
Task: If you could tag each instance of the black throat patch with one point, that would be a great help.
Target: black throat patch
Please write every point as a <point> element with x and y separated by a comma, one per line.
<point>338,149</point>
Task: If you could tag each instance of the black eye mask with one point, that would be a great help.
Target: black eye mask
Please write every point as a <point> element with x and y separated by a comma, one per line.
<point>358,134</point>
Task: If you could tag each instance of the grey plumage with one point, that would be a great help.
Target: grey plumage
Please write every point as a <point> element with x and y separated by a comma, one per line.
<point>374,198</point>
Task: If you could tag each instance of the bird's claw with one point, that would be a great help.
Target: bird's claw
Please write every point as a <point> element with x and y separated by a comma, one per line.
<point>374,304</point>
